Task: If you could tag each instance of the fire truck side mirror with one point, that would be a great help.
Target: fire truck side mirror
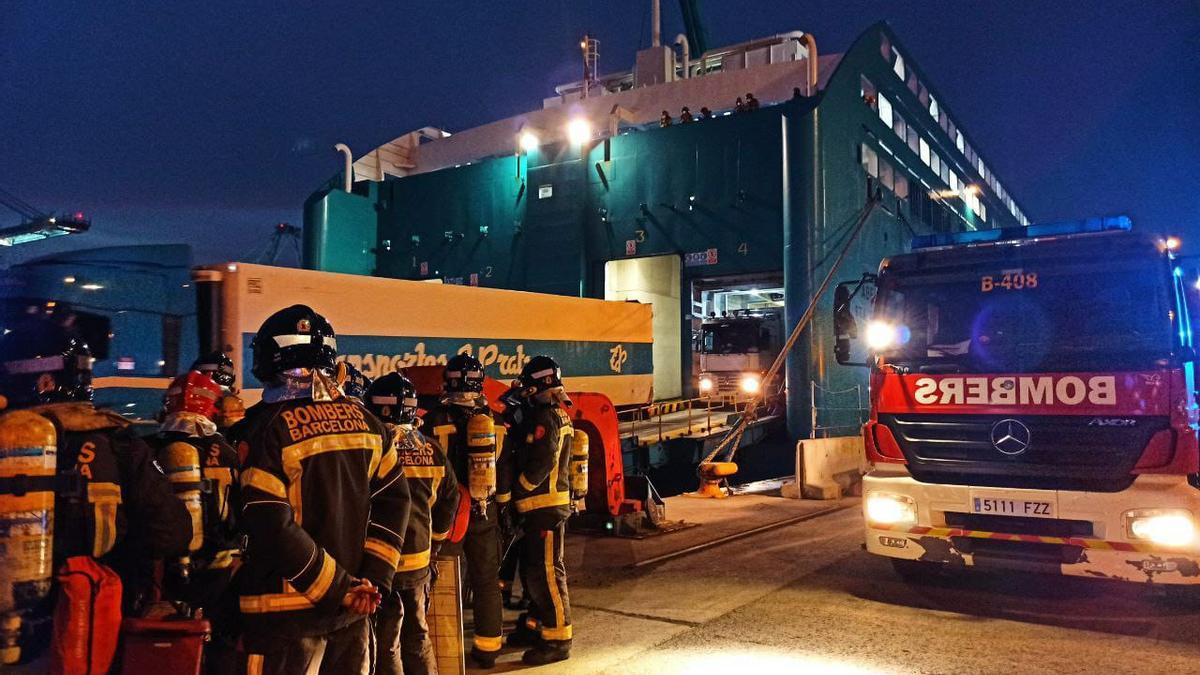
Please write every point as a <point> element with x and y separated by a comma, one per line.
<point>851,305</point>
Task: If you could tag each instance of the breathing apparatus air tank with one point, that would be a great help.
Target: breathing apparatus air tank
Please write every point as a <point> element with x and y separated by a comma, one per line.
<point>578,466</point>
<point>181,463</point>
<point>481,459</point>
<point>28,456</point>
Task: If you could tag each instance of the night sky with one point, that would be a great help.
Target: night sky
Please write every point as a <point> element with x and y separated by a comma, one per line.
<point>210,122</point>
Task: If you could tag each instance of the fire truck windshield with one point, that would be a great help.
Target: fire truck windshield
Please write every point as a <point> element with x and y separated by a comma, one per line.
<point>1035,318</point>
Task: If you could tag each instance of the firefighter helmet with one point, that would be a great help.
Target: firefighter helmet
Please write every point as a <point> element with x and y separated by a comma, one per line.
<point>295,337</point>
<point>463,373</point>
<point>540,374</point>
<point>393,398</point>
<point>218,366</point>
<point>40,362</point>
<point>193,392</point>
<point>352,380</point>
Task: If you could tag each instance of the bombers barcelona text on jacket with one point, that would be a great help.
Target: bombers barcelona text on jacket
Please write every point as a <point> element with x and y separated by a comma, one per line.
<point>325,502</point>
<point>434,493</point>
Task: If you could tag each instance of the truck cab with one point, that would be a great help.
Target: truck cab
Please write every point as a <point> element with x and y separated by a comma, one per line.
<point>735,351</point>
<point>1033,404</point>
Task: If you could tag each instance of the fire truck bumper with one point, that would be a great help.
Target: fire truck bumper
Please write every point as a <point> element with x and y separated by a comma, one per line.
<point>1149,532</point>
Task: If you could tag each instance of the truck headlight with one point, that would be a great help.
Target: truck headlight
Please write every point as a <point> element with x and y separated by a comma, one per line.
<point>750,383</point>
<point>880,335</point>
<point>1165,527</point>
<point>706,384</point>
<point>888,509</point>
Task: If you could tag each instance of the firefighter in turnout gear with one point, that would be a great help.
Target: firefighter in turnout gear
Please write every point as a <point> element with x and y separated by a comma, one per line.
<point>534,465</point>
<point>325,507</point>
<point>463,425</point>
<point>111,501</point>
<point>203,470</point>
<point>402,634</point>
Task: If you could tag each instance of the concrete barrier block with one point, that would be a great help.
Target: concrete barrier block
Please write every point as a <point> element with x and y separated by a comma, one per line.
<point>827,468</point>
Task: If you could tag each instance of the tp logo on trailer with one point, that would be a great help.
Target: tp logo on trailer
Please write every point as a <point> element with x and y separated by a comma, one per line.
<point>1010,437</point>
<point>618,358</point>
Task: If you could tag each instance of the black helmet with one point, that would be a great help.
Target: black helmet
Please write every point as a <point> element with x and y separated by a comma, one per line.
<point>354,382</point>
<point>463,373</point>
<point>296,337</point>
<point>218,366</point>
<point>40,362</point>
<point>393,398</point>
<point>540,373</point>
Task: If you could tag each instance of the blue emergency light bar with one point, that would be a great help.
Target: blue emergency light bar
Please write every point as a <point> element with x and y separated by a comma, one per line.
<point>1087,225</point>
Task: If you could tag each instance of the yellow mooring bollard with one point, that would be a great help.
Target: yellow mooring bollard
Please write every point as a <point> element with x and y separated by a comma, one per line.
<point>711,474</point>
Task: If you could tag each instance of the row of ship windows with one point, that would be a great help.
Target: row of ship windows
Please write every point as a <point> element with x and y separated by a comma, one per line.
<point>896,180</point>
<point>909,77</point>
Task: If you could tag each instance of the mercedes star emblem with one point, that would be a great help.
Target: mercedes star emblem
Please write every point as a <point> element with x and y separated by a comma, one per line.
<point>1010,436</point>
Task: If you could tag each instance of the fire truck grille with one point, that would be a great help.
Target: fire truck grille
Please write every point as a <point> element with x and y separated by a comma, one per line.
<point>1056,452</point>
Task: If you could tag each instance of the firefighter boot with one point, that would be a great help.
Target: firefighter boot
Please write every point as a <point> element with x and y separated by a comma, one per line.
<point>548,651</point>
<point>485,660</point>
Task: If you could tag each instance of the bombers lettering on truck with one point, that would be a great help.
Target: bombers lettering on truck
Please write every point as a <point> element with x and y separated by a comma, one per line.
<point>1016,390</point>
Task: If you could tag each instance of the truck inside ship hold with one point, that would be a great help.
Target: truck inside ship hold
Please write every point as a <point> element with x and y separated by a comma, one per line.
<point>736,350</point>
<point>1033,403</point>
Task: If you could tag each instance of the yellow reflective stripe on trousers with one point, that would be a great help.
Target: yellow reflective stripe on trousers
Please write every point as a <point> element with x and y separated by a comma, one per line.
<point>320,585</point>
<point>254,664</point>
<point>556,632</point>
<point>382,550</point>
<point>503,497</point>
<point>410,562</point>
<point>529,487</point>
<point>293,456</point>
<point>563,633</point>
<point>104,497</point>
<point>264,481</point>
<point>273,602</point>
<point>488,644</point>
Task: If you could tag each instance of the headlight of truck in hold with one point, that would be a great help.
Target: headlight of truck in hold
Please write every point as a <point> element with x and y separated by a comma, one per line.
<point>883,508</point>
<point>706,384</point>
<point>750,383</point>
<point>1166,527</point>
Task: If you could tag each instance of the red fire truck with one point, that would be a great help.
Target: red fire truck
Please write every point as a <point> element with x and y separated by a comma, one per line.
<point>1033,403</point>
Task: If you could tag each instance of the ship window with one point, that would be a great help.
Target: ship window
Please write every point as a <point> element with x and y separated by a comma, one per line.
<point>885,175</point>
<point>885,110</point>
<point>958,141</point>
<point>924,150</point>
<point>899,126</point>
<point>866,90</point>
<point>933,107</point>
<point>898,65</point>
<point>914,141</point>
<point>870,161</point>
<point>901,186</point>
